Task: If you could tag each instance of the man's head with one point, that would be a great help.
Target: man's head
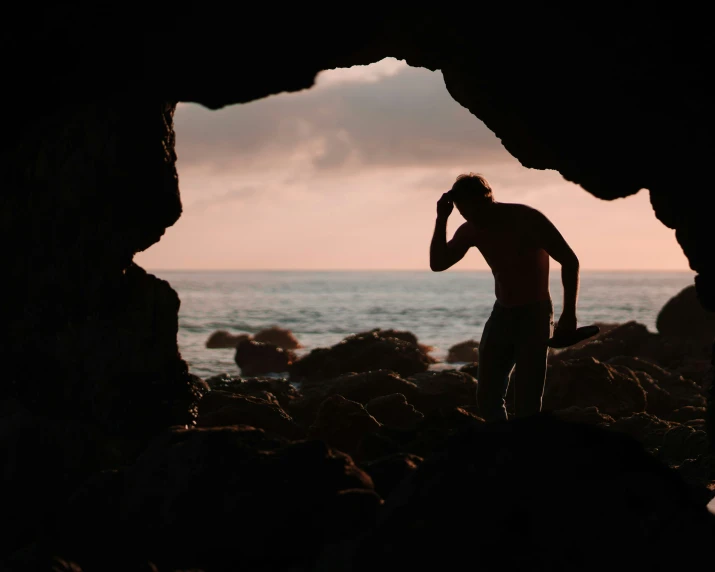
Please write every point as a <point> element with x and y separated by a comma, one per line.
<point>472,195</point>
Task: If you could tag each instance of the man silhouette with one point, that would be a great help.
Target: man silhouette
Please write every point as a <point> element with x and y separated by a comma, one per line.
<point>516,241</point>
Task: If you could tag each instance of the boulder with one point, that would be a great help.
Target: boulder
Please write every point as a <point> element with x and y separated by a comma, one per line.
<point>687,413</point>
<point>257,358</point>
<point>342,424</point>
<point>280,388</point>
<point>361,353</point>
<point>407,337</point>
<point>224,339</point>
<point>590,415</point>
<point>586,382</point>
<point>222,408</point>
<point>526,483</point>
<point>195,494</point>
<point>666,391</point>
<point>684,317</point>
<point>467,351</point>
<point>623,340</point>
<point>279,337</point>
<point>647,429</point>
<point>444,389</point>
<point>389,471</point>
<point>394,411</point>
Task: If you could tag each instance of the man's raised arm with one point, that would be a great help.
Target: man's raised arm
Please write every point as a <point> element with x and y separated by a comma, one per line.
<point>443,254</point>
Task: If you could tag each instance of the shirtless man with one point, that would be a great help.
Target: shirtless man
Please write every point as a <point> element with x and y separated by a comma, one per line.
<point>516,241</point>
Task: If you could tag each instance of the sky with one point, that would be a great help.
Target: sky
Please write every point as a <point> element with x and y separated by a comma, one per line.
<point>346,175</point>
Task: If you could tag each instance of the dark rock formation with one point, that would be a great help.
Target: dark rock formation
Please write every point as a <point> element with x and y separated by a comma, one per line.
<point>406,336</point>
<point>683,316</point>
<point>536,494</point>
<point>362,352</point>
<point>394,411</point>
<point>258,358</point>
<point>444,389</point>
<point>666,391</point>
<point>342,424</point>
<point>590,415</point>
<point>90,180</point>
<point>220,499</point>
<point>43,461</point>
<point>464,351</point>
<point>281,389</point>
<point>224,339</point>
<point>278,336</point>
<point>586,382</point>
<point>388,472</point>
<point>624,340</point>
<point>220,408</point>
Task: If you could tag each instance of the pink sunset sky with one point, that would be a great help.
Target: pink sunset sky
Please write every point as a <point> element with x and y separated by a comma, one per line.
<point>346,175</point>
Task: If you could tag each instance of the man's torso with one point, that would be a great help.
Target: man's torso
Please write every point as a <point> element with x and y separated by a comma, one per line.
<point>519,265</point>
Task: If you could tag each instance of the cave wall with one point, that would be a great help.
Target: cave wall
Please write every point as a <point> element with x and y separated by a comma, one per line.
<point>615,101</point>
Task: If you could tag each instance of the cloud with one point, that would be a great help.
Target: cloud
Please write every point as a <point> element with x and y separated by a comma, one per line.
<point>388,116</point>
<point>234,195</point>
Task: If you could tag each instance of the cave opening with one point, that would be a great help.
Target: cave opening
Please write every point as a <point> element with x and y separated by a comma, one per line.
<point>343,177</point>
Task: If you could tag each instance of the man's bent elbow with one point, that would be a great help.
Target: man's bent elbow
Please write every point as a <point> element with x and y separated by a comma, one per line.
<point>572,264</point>
<point>437,267</point>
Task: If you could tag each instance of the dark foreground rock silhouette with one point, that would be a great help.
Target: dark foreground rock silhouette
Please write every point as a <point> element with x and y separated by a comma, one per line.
<point>535,494</point>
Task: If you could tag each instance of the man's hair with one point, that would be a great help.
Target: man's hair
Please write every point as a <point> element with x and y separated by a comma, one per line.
<point>472,185</point>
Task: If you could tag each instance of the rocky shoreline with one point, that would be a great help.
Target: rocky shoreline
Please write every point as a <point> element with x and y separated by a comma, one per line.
<point>363,458</point>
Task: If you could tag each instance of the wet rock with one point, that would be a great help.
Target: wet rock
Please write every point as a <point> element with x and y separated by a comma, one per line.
<point>590,415</point>
<point>394,411</point>
<point>684,317</point>
<point>278,337</point>
<point>387,472</point>
<point>472,369</point>
<point>222,408</point>
<point>195,493</point>
<point>444,389</point>
<point>363,387</point>
<point>624,340</point>
<point>225,339</point>
<point>681,442</point>
<point>359,387</point>
<point>257,358</point>
<point>342,424</point>
<point>361,353</point>
<point>699,471</point>
<point>670,390</point>
<point>436,428</point>
<point>647,429</point>
<point>586,382</point>
<point>687,413</point>
<point>406,337</point>
<point>281,389</point>
<point>467,351</point>
<point>595,490</point>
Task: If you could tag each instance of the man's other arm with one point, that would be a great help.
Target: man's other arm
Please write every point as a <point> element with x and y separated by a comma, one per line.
<point>554,244</point>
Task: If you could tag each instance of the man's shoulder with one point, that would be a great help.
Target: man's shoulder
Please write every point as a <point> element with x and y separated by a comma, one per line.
<point>525,212</point>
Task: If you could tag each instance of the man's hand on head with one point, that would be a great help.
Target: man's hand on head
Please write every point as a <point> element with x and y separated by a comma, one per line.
<point>445,206</point>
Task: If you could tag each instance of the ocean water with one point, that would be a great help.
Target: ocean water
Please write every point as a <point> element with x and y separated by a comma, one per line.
<point>441,309</point>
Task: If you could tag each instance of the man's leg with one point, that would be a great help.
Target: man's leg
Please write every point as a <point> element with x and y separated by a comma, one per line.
<point>496,360</point>
<point>534,330</point>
